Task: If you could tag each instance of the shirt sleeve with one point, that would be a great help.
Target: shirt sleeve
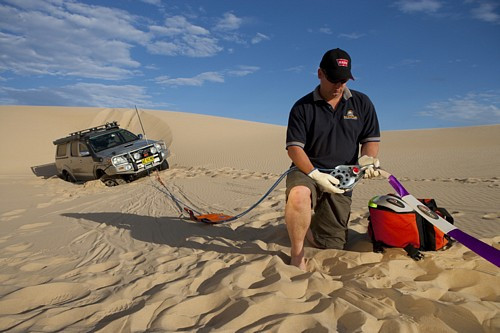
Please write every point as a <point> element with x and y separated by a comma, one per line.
<point>296,130</point>
<point>371,129</point>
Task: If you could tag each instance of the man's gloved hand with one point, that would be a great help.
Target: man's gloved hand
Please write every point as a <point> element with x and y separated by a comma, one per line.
<point>326,181</point>
<point>374,163</point>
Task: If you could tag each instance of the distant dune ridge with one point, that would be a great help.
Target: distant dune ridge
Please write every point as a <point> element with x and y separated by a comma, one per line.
<point>85,257</point>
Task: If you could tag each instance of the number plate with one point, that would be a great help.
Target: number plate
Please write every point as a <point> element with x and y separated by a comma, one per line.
<point>148,160</point>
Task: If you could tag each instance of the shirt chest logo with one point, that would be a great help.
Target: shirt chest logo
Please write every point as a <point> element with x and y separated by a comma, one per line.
<point>350,115</point>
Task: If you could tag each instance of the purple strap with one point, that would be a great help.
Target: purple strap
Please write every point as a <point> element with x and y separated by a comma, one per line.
<point>397,186</point>
<point>484,250</point>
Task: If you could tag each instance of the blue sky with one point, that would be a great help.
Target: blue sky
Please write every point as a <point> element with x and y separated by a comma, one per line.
<point>424,63</point>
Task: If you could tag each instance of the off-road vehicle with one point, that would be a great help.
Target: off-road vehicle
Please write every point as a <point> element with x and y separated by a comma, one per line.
<point>109,153</point>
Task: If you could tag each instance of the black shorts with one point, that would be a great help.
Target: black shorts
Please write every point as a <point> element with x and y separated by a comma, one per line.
<point>331,211</point>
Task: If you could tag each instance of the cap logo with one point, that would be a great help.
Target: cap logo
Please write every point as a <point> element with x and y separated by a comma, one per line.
<point>342,62</point>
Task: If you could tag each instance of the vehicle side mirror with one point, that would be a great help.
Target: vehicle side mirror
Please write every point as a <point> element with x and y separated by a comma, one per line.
<point>139,136</point>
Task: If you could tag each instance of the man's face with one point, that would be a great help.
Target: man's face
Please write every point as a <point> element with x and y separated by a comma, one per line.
<point>331,89</point>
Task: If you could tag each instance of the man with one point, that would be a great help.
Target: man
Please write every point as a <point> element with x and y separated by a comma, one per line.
<point>325,129</point>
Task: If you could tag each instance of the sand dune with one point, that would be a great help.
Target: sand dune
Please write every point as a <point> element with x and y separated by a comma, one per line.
<point>85,257</point>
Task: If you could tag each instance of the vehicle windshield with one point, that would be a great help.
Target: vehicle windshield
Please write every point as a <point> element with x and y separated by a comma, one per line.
<point>113,139</point>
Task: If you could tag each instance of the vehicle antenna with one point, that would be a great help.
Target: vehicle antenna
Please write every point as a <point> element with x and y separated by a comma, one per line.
<point>140,121</point>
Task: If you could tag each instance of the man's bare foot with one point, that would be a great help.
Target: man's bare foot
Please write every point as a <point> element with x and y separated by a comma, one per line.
<point>299,262</point>
<point>297,259</point>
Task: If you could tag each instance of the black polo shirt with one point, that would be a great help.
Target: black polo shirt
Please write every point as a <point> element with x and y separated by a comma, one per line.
<point>331,137</point>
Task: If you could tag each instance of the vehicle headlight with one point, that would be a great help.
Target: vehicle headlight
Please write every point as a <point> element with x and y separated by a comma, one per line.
<point>158,146</point>
<point>137,156</point>
<point>153,150</point>
<point>117,160</point>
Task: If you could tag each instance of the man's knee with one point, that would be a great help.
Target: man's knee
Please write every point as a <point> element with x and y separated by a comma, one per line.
<point>299,197</point>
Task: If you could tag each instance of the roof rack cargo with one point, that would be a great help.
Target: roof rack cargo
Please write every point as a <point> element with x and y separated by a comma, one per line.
<point>78,134</point>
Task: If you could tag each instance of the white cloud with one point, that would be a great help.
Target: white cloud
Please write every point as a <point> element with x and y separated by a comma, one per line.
<point>233,37</point>
<point>484,9</point>
<point>152,2</point>
<point>179,25</point>
<point>412,6</point>
<point>80,94</point>
<point>188,45</point>
<point>486,12</point>
<point>326,30</point>
<point>228,22</point>
<point>67,38</point>
<point>243,71</point>
<point>295,69</point>
<point>471,109</point>
<point>200,79</point>
<point>180,37</point>
<point>259,38</point>
<point>166,48</point>
<point>227,29</point>
<point>197,80</point>
<point>323,30</point>
<point>352,35</point>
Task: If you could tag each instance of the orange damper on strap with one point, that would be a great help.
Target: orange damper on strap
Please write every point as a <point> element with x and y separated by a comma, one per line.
<point>209,218</point>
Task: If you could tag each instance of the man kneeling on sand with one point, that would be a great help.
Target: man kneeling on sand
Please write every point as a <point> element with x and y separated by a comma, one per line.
<point>325,129</point>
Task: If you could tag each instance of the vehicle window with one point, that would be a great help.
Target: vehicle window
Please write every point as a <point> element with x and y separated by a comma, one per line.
<point>84,151</point>
<point>99,142</point>
<point>128,136</point>
<point>110,140</point>
<point>106,141</point>
<point>74,148</point>
<point>61,150</point>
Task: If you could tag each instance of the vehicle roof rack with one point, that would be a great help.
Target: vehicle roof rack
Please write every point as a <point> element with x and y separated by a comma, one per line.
<point>78,134</point>
<point>106,126</point>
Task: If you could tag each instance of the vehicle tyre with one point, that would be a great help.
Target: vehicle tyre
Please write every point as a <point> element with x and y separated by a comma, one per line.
<point>164,165</point>
<point>112,181</point>
<point>68,177</point>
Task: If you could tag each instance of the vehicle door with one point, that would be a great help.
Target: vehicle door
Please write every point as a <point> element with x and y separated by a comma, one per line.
<point>86,161</point>
<point>80,161</point>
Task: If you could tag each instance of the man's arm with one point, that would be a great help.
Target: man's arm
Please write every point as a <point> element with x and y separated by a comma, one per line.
<point>370,149</point>
<point>300,159</point>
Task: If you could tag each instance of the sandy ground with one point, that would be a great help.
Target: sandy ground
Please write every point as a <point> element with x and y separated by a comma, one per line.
<point>85,257</point>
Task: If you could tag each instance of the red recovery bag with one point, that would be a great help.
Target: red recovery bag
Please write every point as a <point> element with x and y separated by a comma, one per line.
<point>393,223</point>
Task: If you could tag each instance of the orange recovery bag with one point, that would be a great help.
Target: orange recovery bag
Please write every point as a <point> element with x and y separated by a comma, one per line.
<point>393,223</point>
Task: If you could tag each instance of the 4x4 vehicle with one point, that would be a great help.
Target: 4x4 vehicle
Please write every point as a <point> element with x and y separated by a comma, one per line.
<point>109,153</point>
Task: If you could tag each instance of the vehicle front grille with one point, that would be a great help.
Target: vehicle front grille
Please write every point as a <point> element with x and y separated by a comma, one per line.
<point>146,160</point>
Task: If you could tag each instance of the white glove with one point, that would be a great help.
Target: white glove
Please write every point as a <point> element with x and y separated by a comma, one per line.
<point>325,181</point>
<point>373,163</point>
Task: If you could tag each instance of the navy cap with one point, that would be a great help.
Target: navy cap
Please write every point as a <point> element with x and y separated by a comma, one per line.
<point>337,65</point>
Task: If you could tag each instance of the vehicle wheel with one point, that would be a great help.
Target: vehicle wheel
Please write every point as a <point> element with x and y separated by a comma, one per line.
<point>112,181</point>
<point>164,165</point>
<point>68,177</point>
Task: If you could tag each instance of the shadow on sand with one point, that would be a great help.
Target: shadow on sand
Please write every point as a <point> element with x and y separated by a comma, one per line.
<point>176,232</point>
